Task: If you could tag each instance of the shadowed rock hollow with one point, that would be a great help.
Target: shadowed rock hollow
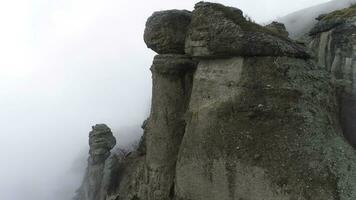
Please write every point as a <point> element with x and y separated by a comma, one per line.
<point>239,112</point>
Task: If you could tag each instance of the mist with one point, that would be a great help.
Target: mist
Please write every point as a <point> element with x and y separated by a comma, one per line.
<point>67,65</point>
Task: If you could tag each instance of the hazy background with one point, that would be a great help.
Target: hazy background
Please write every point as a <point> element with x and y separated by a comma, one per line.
<point>68,64</point>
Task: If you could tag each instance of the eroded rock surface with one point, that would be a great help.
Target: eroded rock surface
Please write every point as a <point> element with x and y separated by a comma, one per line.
<point>219,31</point>
<point>98,174</point>
<point>267,130</point>
<point>278,28</point>
<point>239,112</point>
<point>335,50</point>
<point>166,31</point>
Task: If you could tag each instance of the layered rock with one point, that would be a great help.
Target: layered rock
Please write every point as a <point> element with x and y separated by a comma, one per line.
<point>334,44</point>
<point>238,112</point>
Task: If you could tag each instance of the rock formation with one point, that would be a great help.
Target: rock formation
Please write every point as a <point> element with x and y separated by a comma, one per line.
<point>239,112</point>
<point>278,28</point>
<point>98,174</point>
<point>334,44</point>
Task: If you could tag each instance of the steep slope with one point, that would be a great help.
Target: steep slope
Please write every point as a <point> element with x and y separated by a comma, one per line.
<point>239,111</point>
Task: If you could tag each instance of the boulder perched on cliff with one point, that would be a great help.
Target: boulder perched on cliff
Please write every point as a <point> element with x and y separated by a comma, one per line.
<point>220,31</point>
<point>166,31</point>
<point>278,28</point>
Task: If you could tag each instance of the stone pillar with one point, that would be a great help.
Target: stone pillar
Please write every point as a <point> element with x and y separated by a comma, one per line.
<point>97,176</point>
<point>172,73</point>
<point>172,82</point>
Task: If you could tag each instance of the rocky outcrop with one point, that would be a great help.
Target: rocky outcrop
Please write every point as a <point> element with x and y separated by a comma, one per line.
<point>219,31</point>
<point>334,19</point>
<point>239,112</point>
<point>334,44</point>
<point>100,164</point>
<point>278,28</point>
<point>166,31</point>
<point>267,130</point>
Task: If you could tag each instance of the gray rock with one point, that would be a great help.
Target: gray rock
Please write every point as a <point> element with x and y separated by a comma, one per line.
<point>334,19</point>
<point>220,31</point>
<point>336,50</point>
<point>245,114</point>
<point>101,141</point>
<point>99,173</point>
<point>166,31</point>
<point>280,108</point>
<point>326,25</point>
<point>278,28</point>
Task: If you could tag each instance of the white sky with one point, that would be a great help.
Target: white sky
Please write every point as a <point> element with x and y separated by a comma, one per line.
<point>68,64</point>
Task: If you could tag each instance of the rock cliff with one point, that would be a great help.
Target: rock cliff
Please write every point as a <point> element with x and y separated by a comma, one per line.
<point>239,112</point>
<point>334,44</point>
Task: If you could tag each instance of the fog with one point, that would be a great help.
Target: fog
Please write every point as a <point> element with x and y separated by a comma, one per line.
<point>67,65</point>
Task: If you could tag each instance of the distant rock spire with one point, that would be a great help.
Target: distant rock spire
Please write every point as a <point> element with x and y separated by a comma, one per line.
<point>100,163</point>
<point>101,141</point>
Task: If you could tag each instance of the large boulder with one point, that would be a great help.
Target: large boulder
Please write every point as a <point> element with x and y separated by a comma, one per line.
<point>278,28</point>
<point>220,31</point>
<point>166,31</point>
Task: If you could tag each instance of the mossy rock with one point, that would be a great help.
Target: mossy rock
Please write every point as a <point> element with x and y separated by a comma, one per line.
<point>334,19</point>
<point>221,31</point>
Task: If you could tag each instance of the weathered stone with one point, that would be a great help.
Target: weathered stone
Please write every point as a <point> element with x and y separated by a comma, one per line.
<point>166,31</point>
<point>282,109</point>
<point>220,31</point>
<point>99,173</point>
<point>336,50</point>
<point>172,82</point>
<point>101,141</point>
<point>248,117</point>
<point>334,19</point>
<point>278,28</point>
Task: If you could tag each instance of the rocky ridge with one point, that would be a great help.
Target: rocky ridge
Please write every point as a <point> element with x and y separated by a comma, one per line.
<point>239,111</point>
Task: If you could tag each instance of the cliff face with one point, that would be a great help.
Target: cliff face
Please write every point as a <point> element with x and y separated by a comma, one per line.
<point>239,111</point>
<point>334,44</point>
